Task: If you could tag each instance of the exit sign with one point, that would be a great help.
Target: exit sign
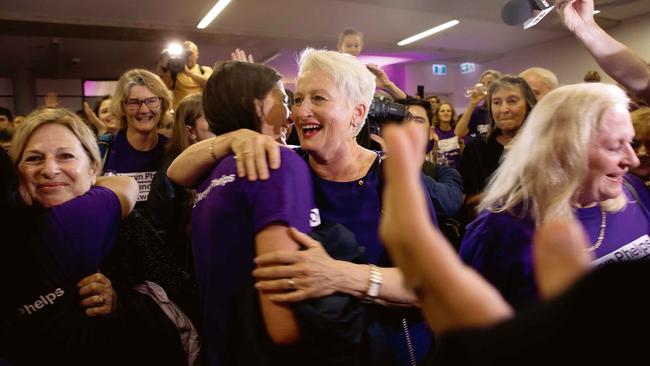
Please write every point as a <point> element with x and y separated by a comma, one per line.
<point>439,69</point>
<point>467,67</point>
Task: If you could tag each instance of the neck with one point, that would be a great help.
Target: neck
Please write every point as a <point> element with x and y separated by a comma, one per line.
<point>349,163</point>
<point>142,141</point>
<point>505,137</point>
<point>445,126</point>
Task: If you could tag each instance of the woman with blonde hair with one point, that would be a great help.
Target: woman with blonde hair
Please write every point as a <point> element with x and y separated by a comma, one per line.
<point>141,99</point>
<point>570,160</point>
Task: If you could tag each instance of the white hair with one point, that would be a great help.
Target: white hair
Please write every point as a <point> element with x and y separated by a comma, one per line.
<point>349,74</point>
<point>550,79</point>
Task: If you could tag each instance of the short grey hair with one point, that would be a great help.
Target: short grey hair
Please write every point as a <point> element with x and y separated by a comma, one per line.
<point>349,75</point>
<point>550,79</point>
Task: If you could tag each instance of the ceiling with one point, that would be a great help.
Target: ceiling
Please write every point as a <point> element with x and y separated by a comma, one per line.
<point>93,39</point>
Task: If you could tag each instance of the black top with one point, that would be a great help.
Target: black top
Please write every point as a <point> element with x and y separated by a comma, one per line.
<point>479,161</point>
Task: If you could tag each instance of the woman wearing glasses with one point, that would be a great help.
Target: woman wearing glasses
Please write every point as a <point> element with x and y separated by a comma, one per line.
<point>140,100</point>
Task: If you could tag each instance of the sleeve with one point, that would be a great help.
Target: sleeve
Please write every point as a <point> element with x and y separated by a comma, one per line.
<point>498,246</point>
<point>159,209</point>
<point>286,197</point>
<point>85,228</point>
<point>469,170</point>
<point>446,191</point>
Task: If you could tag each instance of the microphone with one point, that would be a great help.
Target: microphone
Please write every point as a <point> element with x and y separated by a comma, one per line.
<point>516,12</point>
<point>526,12</point>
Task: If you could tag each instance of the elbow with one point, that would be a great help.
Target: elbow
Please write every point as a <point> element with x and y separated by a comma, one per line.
<point>286,336</point>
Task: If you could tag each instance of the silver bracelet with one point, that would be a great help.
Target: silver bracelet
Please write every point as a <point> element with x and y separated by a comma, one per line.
<point>374,284</point>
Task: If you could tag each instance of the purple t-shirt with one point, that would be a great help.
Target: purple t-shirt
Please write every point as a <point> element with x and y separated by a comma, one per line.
<point>81,232</point>
<point>448,146</point>
<point>227,214</point>
<point>479,121</point>
<point>123,159</point>
<point>498,245</point>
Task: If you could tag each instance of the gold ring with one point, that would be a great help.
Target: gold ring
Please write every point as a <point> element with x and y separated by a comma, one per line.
<point>101,300</point>
<point>292,284</point>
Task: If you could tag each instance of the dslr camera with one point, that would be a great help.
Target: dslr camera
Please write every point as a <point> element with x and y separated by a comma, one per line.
<point>381,110</point>
<point>178,57</point>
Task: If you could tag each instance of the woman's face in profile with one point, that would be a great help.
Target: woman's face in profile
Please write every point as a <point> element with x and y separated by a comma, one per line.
<point>508,108</point>
<point>54,166</point>
<point>274,111</point>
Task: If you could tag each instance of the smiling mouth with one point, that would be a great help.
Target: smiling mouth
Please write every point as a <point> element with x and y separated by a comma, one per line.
<point>615,178</point>
<point>311,130</point>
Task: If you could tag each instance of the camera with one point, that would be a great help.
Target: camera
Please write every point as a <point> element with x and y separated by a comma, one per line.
<point>381,110</point>
<point>178,57</point>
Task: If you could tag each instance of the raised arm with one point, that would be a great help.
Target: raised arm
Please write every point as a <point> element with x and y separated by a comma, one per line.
<point>94,120</point>
<point>618,60</point>
<point>126,189</point>
<point>462,126</point>
<point>254,153</point>
<point>384,83</point>
<point>451,294</point>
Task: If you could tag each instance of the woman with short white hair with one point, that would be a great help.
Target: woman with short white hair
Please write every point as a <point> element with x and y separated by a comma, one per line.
<point>332,98</point>
<point>570,160</point>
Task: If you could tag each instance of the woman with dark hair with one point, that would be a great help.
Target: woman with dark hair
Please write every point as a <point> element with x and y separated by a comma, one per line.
<point>100,116</point>
<point>448,143</point>
<point>169,205</point>
<point>509,101</point>
<point>234,220</point>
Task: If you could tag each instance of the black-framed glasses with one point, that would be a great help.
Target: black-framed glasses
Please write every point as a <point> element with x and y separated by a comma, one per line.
<point>134,104</point>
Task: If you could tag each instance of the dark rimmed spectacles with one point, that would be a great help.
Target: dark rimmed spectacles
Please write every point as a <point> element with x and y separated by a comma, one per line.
<point>134,104</point>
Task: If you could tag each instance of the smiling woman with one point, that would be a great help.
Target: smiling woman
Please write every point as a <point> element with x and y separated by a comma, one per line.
<point>136,150</point>
<point>570,160</point>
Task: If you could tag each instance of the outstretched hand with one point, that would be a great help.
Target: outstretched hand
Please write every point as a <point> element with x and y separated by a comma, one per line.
<point>94,120</point>
<point>240,55</point>
<point>576,14</point>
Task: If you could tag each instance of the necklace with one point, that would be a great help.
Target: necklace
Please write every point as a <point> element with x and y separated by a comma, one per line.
<point>601,233</point>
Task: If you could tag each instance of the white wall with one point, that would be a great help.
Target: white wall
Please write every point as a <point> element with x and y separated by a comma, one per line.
<point>566,57</point>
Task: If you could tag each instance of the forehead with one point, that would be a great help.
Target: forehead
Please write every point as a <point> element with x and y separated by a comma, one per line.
<point>315,79</point>
<point>53,134</point>
<point>352,38</point>
<point>417,110</point>
<point>615,124</point>
<point>507,91</point>
<point>140,91</point>
<point>445,106</point>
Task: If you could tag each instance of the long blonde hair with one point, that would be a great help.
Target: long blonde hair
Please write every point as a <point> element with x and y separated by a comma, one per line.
<point>549,158</point>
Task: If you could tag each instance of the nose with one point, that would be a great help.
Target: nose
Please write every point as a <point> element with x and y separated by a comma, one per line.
<point>631,158</point>
<point>50,168</point>
<point>302,110</point>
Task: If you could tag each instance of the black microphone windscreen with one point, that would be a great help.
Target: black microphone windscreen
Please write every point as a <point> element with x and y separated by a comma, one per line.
<point>516,12</point>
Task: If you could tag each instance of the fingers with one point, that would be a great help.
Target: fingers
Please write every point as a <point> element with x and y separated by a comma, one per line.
<point>303,239</point>
<point>95,277</point>
<point>278,257</point>
<point>282,284</point>
<point>273,151</point>
<point>260,158</point>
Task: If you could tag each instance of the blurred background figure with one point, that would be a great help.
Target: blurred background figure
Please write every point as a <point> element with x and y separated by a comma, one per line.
<point>179,68</point>
<point>350,42</point>
<point>51,100</point>
<point>592,76</point>
<point>100,117</point>
<point>6,118</point>
<point>641,143</point>
<point>6,135</point>
<point>541,80</point>
<point>475,121</point>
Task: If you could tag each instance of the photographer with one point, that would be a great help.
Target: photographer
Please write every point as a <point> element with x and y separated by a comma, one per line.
<point>182,73</point>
